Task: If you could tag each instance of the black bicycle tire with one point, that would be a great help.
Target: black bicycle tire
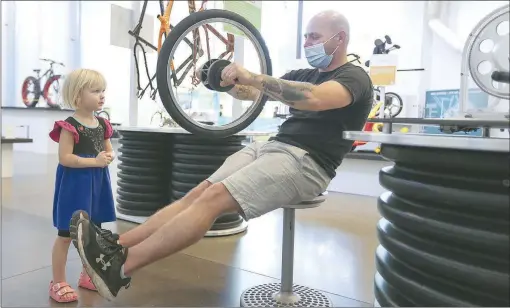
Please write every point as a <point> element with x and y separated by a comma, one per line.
<point>141,170</point>
<point>139,178</point>
<point>142,152</point>
<point>137,213</point>
<point>141,188</point>
<point>162,66</point>
<point>136,196</point>
<point>45,90</point>
<point>144,144</point>
<point>196,178</point>
<point>137,161</point>
<point>395,95</point>
<point>38,91</point>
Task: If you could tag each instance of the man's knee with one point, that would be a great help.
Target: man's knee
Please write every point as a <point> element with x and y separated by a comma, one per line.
<point>218,199</point>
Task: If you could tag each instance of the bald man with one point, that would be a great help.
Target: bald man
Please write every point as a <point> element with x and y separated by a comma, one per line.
<point>296,165</point>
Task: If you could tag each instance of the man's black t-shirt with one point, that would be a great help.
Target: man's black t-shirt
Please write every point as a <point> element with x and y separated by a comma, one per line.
<point>320,132</point>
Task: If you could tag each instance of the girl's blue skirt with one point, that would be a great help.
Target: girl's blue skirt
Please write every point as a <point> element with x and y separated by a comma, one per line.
<point>87,189</point>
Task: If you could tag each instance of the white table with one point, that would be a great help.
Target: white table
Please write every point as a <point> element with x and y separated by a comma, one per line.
<point>7,149</point>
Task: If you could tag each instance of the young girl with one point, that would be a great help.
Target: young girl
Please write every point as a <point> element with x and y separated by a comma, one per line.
<point>82,177</point>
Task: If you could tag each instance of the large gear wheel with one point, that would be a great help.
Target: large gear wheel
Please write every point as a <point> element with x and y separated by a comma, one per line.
<point>488,48</point>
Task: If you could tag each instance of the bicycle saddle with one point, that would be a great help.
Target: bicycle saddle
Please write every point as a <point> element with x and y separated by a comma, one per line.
<point>36,70</point>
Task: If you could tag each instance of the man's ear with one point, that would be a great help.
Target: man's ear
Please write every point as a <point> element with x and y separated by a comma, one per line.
<point>342,36</point>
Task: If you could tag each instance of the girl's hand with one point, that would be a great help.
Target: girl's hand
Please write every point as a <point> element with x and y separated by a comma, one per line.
<point>111,155</point>
<point>102,159</point>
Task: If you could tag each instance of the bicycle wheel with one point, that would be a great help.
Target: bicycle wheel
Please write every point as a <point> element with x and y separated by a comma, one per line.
<point>29,96</point>
<point>51,92</point>
<point>165,74</point>
<point>394,103</point>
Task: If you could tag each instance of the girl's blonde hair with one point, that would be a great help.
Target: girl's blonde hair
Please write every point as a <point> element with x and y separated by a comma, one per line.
<point>78,80</point>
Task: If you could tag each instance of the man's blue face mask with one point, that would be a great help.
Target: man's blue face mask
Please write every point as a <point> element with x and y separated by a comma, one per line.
<point>316,55</point>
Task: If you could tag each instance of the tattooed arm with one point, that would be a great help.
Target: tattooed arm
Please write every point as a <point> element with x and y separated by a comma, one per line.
<point>303,95</point>
<point>246,93</point>
<point>337,93</point>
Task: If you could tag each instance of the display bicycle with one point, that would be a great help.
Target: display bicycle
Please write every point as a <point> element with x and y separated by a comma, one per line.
<point>394,103</point>
<point>165,28</point>
<point>32,86</point>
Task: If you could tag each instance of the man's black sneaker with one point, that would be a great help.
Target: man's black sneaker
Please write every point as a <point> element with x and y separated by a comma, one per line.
<point>73,227</point>
<point>102,258</point>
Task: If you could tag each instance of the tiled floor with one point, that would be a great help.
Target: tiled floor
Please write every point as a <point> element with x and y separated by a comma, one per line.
<point>334,252</point>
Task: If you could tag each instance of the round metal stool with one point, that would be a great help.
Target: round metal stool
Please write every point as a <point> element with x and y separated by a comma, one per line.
<point>286,293</point>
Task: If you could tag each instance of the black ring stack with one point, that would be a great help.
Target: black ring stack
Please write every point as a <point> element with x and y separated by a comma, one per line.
<point>143,175</point>
<point>444,235</point>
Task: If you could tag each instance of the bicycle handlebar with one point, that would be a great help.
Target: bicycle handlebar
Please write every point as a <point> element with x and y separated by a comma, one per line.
<point>52,62</point>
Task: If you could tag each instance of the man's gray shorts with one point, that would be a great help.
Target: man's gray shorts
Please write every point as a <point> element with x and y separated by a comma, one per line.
<point>265,176</point>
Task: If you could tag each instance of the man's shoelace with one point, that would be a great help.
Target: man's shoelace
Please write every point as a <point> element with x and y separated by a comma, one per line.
<point>108,247</point>
<point>107,234</point>
<point>107,241</point>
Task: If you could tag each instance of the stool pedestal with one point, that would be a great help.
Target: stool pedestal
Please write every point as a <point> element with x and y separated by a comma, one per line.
<point>286,293</point>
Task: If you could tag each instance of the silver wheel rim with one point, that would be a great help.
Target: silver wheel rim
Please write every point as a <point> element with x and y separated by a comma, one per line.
<point>394,107</point>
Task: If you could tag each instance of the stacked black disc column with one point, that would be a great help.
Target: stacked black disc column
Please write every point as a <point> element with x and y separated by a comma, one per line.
<point>444,235</point>
<point>193,160</point>
<point>144,171</point>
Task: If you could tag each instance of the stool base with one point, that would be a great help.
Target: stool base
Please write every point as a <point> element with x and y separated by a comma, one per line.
<point>269,295</point>
<point>239,229</point>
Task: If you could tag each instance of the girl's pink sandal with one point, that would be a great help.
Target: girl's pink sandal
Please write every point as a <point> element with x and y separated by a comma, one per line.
<point>86,282</point>
<point>58,292</point>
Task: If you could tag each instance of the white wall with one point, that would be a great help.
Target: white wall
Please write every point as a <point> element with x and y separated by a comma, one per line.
<point>39,33</point>
<point>112,61</point>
